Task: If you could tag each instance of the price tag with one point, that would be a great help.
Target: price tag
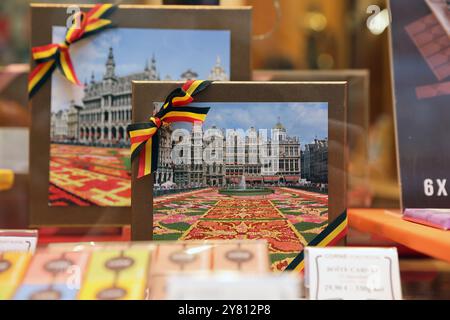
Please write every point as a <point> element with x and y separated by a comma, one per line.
<point>352,274</point>
<point>234,287</point>
<point>18,241</point>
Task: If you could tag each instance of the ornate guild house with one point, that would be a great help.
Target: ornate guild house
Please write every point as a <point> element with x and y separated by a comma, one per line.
<point>280,163</point>
<point>315,162</point>
<point>106,109</point>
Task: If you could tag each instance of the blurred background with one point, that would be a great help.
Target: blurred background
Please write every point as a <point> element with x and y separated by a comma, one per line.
<point>303,35</point>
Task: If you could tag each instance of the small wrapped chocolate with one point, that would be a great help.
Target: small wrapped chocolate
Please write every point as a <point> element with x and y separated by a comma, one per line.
<point>116,275</point>
<point>13,266</point>
<point>436,218</point>
<point>53,276</point>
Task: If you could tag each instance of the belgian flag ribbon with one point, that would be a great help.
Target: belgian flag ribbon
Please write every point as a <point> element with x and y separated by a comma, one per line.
<point>329,237</point>
<point>52,56</point>
<point>144,136</point>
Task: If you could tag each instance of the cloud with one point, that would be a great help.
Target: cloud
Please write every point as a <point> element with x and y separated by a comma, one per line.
<point>304,120</point>
<point>132,47</point>
<point>63,92</point>
<point>126,69</point>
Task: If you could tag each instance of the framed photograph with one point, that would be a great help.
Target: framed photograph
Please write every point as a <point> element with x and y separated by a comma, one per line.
<point>79,154</point>
<point>358,114</point>
<point>268,163</point>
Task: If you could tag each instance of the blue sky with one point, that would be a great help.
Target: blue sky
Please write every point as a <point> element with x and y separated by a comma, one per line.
<point>175,52</point>
<point>305,120</point>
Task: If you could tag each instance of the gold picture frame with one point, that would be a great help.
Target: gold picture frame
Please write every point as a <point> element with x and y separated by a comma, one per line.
<point>145,94</point>
<point>236,20</point>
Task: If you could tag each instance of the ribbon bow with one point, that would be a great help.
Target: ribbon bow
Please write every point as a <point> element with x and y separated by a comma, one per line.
<point>53,55</point>
<point>144,136</point>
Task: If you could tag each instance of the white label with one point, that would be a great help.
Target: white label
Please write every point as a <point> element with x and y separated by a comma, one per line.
<point>233,287</point>
<point>18,244</point>
<point>352,274</point>
<point>435,188</point>
<point>14,143</point>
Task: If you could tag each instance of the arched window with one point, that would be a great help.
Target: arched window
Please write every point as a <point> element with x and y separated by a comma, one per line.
<point>114,133</point>
<point>121,133</point>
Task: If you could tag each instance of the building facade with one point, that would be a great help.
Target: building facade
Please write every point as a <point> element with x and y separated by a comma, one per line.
<point>165,172</point>
<point>227,156</point>
<point>218,73</point>
<point>73,121</point>
<point>315,162</point>
<point>105,113</point>
<point>106,109</point>
<point>107,105</point>
<point>59,130</point>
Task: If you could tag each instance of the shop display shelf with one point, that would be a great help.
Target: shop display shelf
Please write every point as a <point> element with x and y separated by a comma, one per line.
<point>390,225</point>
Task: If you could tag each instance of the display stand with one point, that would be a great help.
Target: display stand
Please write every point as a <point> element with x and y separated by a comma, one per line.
<point>389,224</point>
<point>54,235</point>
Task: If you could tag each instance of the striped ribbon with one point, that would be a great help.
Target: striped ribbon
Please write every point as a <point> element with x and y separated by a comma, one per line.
<point>52,56</point>
<point>144,136</point>
<point>329,237</point>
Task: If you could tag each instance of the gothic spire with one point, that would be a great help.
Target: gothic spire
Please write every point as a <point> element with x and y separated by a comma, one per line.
<point>110,65</point>
<point>152,72</point>
<point>153,65</point>
<point>110,60</point>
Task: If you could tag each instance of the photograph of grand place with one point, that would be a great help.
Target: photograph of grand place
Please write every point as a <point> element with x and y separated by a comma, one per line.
<point>277,161</point>
<point>105,112</point>
<point>102,119</point>
<point>217,182</point>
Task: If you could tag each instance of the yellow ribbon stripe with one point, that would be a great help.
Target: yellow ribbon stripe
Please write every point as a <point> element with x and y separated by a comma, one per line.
<point>45,53</point>
<point>97,25</point>
<point>148,155</point>
<point>332,234</point>
<point>143,137</point>
<point>43,70</point>
<point>67,69</point>
<point>57,55</point>
<point>100,11</point>
<point>193,87</point>
<point>188,116</point>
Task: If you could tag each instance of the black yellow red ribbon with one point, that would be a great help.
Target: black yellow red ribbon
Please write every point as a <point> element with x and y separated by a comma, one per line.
<point>329,237</point>
<point>52,56</point>
<point>144,136</point>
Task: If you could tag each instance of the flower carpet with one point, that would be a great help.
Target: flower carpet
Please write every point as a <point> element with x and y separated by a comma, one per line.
<point>287,219</point>
<point>84,176</point>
